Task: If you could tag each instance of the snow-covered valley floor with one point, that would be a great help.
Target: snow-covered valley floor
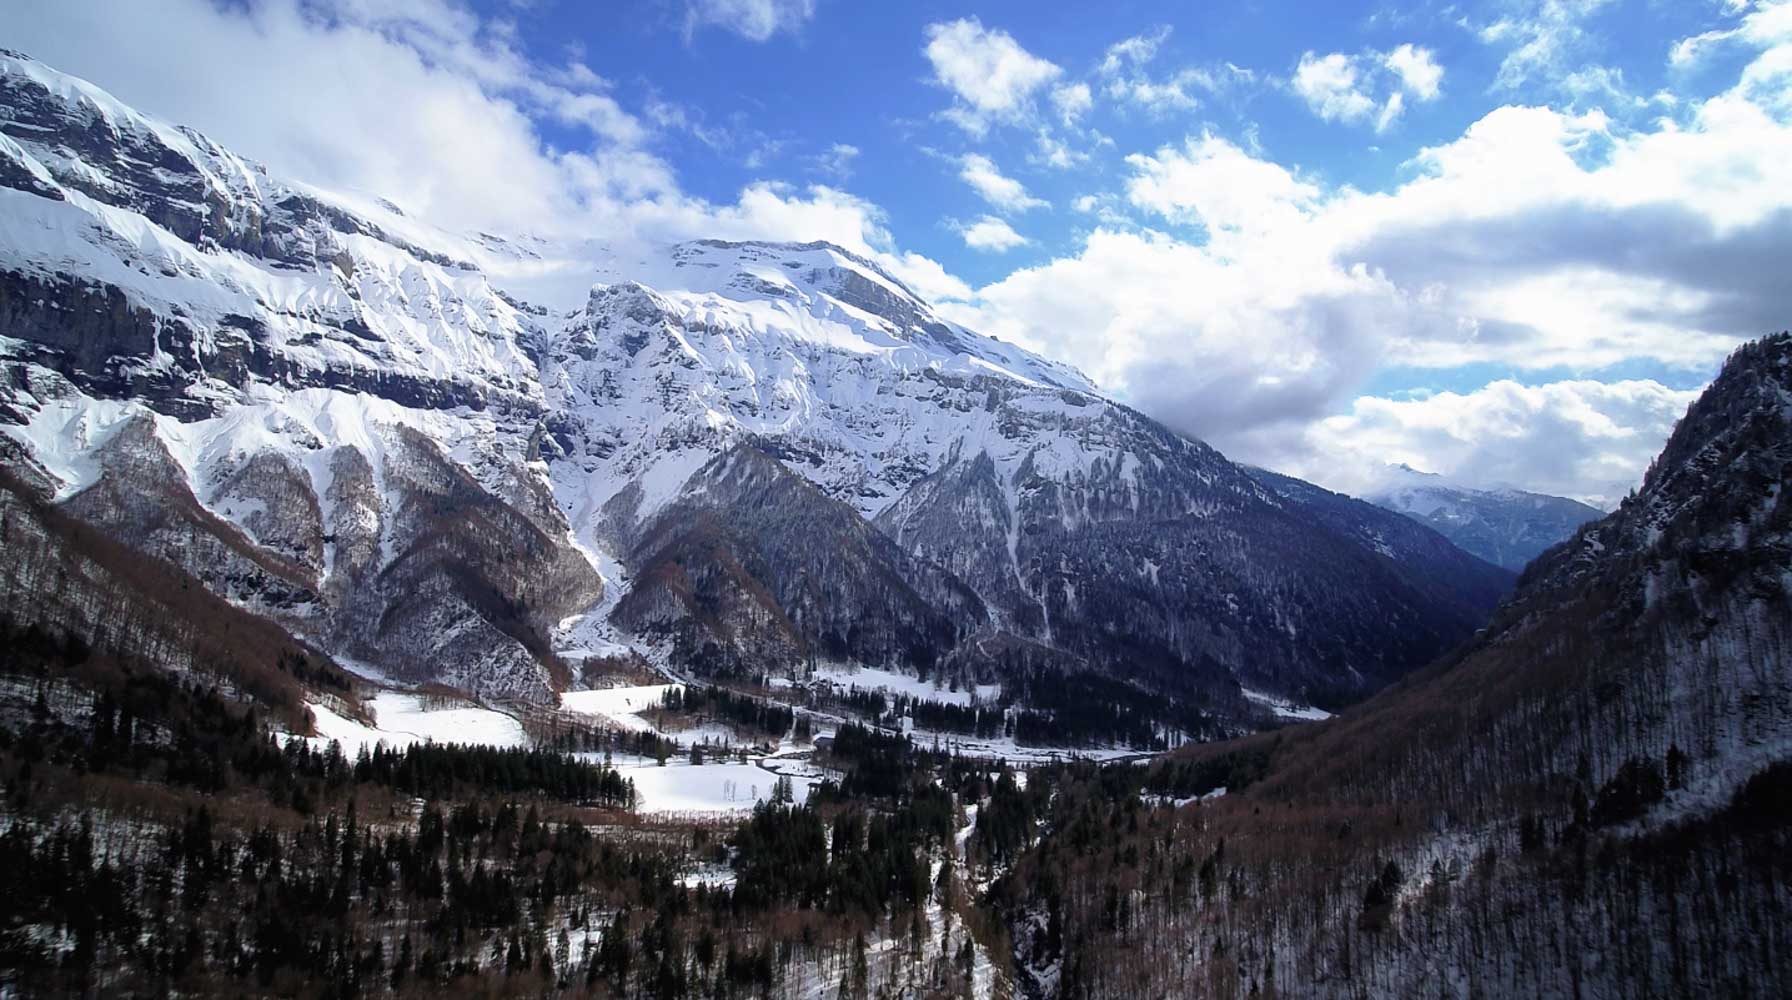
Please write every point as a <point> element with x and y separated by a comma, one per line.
<point>734,773</point>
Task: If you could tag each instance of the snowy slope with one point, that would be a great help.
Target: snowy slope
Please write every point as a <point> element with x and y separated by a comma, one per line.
<point>381,442</point>
<point>1506,527</point>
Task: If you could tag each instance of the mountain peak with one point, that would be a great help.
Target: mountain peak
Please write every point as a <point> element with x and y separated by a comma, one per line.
<point>802,384</point>
<point>1711,488</point>
<point>1503,525</point>
<point>1752,393</point>
<point>791,250</point>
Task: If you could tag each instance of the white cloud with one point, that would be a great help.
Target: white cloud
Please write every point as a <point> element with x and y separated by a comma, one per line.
<point>1124,67</point>
<point>926,277</point>
<point>1209,343</point>
<point>1169,94</point>
<point>670,116</point>
<point>837,160</point>
<point>1211,182</point>
<point>1764,24</point>
<point>989,72</point>
<point>1073,100</point>
<point>1332,87</point>
<point>1390,111</point>
<point>1540,239</point>
<point>1418,70</point>
<point>1580,438</point>
<point>1133,52</point>
<point>1056,153</point>
<point>1004,192</point>
<point>755,20</point>
<point>1105,207</point>
<point>990,233</point>
<point>1545,37</point>
<point>1341,88</point>
<point>1602,84</point>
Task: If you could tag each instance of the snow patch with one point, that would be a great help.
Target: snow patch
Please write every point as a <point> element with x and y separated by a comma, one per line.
<point>1285,708</point>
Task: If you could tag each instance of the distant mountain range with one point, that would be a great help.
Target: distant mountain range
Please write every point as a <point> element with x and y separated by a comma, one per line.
<point>1506,527</point>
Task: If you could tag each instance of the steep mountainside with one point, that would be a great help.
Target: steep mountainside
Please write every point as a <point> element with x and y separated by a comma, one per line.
<point>754,565</point>
<point>69,586</point>
<point>1505,527</point>
<point>335,415</point>
<point>1588,800</point>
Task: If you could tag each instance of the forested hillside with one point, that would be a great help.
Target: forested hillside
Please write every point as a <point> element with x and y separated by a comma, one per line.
<point>1588,800</point>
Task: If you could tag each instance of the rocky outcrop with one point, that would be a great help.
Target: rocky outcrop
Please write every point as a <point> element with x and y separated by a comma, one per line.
<point>755,566</point>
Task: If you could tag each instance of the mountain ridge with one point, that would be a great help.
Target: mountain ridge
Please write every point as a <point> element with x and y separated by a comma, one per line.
<point>1505,526</point>
<point>1586,797</point>
<point>366,400</point>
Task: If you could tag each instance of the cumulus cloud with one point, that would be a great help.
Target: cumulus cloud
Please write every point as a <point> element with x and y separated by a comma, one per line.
<point>755,20</point>
<point>1213,183</point>
<point>1417,68</point>
<point>991,75</point>
<point>1341,88</point>
<point>1579,438</point>
<point>1002,191</point>
<point>1209,345</point>
<point>1332,87</point>
<point>1538,240</point>
<point>990,233</point>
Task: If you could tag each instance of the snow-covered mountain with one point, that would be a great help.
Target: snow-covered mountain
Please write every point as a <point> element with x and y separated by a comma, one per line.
<point>729,454</point>
<point>1506,527</point>
<point>1589,798</point>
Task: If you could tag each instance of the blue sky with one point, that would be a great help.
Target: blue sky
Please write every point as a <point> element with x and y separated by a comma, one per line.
<point>1502,241</point>
<point>858,75</point>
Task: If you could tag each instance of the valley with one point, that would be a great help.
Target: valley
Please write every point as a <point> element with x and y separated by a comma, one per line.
<point>391,610</point>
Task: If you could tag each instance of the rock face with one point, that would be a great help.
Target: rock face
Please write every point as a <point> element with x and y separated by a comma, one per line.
<point>146,261</point>
<point>1506,527</point>
<point>1081,525</point>
<point>753,564</point>
<point>778,452</point>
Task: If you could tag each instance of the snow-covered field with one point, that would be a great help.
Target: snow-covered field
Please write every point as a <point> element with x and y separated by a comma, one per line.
<point>718,786</point>
<point>620,705</point>
<point>401,720</point>
<point>1005,749</point>
<point>708,788</point>
<point>873,678</point>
